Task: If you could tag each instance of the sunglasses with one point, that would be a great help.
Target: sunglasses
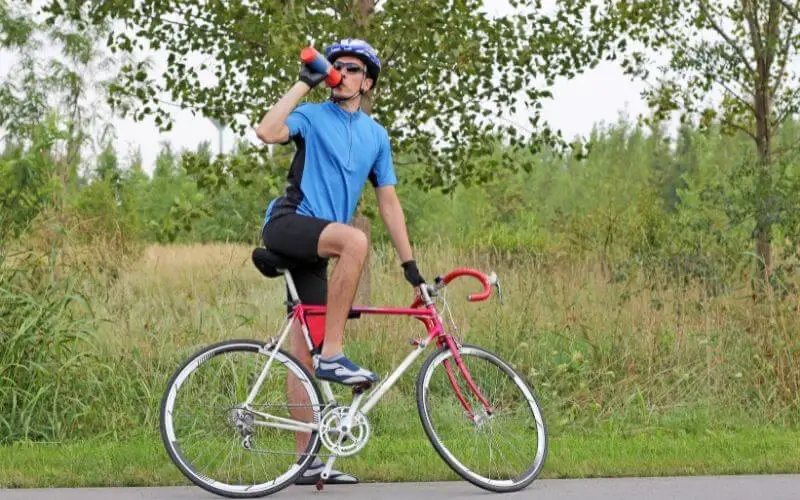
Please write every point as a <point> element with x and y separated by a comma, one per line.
<point>352,68</point>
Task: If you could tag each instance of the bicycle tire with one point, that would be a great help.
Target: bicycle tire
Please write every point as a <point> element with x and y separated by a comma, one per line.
<point>171,442</point>
<point>423,393</point>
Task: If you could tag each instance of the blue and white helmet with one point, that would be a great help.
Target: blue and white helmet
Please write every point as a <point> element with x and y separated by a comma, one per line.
<point>356,48</point>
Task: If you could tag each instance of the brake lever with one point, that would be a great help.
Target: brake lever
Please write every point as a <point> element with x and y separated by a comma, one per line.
<point>495,281</point>
<point>438,285</point>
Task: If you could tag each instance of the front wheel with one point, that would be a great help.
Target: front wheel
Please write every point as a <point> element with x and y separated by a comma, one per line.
<point>501,449</point>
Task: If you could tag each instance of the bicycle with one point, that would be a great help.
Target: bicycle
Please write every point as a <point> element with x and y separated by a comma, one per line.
<point>240,386</point>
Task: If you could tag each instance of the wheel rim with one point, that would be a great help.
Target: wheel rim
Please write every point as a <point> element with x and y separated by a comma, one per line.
<point>205,426</point>
<point>502,450</point>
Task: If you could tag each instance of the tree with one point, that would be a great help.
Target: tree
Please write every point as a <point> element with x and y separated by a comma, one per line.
<point>107,167</point>
<point>26,180</point>
<point>729,63</point>
<point>450,68</point>
<point>165,162</point>
<point>52,91</point>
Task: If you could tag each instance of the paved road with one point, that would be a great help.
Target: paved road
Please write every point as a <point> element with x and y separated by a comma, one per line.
<point>784,487</point>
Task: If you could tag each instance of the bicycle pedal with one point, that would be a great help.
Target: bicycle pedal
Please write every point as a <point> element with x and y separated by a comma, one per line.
<point>360,388</point>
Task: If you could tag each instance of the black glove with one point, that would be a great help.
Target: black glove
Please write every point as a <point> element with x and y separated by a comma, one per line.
<point>412,273</point>
<point>311,78</point>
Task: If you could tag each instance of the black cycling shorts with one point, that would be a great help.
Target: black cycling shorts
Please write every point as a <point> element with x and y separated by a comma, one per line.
<point>297,237</point>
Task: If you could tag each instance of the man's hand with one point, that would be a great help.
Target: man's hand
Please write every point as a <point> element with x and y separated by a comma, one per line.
<point>412,273</point>
<point>311,78</point>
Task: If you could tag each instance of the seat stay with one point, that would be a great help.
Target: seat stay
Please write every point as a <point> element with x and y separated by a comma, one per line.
<point>273,351</point>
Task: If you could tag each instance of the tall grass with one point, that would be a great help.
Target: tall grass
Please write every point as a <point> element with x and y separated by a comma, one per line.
<point>45,345</point>
<point>630,355</point>
<point>51,378</point>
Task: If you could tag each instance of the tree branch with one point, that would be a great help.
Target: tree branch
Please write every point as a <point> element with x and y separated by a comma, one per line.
<point>772,32</point>
<point>793,11</point>
<point>751,16</point>
<point>783,58</point>
<point>738,127</point>
<point>787,111</point>
<point>739,51</point>
<point>224,33</point>
<point>698,59</point>
<point>736,96</point>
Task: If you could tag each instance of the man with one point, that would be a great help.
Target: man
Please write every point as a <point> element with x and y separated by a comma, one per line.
<point>339,147</point>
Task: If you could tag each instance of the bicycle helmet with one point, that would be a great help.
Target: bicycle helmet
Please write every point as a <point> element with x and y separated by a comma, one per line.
<point>356,48</point>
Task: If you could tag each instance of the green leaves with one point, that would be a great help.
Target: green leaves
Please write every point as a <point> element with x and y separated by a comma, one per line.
<point>27,175</point>
<point>452,72</point>
<point>15,29</point>
<point>729,64</point>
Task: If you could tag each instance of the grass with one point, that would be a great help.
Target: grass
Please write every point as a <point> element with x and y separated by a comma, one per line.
<point>143,461</point>
<point>636,376</point>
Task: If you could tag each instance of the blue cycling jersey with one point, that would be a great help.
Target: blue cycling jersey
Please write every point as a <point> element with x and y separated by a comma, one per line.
<point>337,151</point>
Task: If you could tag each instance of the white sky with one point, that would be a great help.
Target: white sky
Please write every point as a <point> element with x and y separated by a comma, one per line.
<point>599,95</point>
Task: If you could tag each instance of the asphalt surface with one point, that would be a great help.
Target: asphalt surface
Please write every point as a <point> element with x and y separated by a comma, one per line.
<point>778,487</point>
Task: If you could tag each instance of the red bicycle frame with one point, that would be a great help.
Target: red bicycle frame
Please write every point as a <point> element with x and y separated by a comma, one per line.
<point>424,309</point>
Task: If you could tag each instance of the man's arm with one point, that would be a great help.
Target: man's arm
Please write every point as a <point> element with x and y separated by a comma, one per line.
<point>273,129</point>
<point>392,215</point>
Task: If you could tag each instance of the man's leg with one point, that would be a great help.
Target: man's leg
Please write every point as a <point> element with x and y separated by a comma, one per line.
<point>312,287</point>
<point>350,246</point>
<point>297,237</point>
<point>300,237</point>
<point>311,281</point>
<point>298,399</point>
<point>307,239</point>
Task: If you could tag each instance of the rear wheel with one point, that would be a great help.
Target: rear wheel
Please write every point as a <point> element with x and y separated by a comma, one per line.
<point>218,444</point>
<point>500,450</point>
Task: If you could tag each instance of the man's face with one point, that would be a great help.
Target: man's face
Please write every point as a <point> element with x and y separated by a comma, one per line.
<point>354,76</point>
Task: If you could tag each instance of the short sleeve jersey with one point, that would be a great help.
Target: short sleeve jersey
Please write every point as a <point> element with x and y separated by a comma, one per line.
<point>337,151</point>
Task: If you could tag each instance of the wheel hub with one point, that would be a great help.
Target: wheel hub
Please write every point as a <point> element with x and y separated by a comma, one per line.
<point>242,420</point>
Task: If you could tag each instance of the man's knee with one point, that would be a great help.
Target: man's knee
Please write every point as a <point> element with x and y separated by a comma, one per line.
<point>358,245</point>
<point>338,240</point>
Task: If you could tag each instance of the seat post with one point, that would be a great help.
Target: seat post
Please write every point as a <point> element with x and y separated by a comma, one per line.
<point>290,283</point>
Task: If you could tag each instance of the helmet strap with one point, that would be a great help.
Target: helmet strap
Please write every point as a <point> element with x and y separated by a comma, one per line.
<point>337,100</point>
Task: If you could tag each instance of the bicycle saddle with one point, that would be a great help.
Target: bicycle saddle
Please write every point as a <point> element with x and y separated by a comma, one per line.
<point>268,262</point>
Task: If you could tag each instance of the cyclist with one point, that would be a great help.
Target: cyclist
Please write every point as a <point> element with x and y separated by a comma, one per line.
<point>339,147</point>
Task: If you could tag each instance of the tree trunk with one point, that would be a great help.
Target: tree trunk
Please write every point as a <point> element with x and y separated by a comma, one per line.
<point>364,292</point>
<point>763,230</point>
<point>764,49</point>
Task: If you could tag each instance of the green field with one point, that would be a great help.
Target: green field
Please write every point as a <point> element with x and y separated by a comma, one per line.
<point>143,462</point>
<point>649,260</point>
<point>628,388</point>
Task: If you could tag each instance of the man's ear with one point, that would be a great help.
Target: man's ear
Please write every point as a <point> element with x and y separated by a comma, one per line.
<point>371,83</point>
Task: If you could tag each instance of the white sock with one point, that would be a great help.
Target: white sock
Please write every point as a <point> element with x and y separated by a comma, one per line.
<point>335,357</point>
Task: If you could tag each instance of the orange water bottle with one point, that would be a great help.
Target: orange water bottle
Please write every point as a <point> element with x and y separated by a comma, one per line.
<point>319,64</point>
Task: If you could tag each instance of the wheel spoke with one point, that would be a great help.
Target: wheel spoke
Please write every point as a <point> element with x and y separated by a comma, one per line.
<point>209,424</point>
<point>502,447</point>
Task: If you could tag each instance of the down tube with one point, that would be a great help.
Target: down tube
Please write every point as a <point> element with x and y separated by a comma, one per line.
<point>378,393</point>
